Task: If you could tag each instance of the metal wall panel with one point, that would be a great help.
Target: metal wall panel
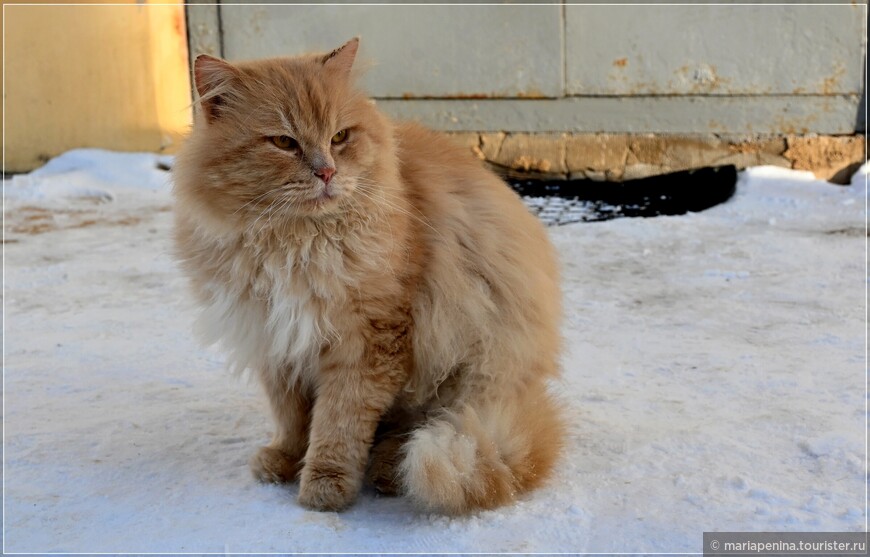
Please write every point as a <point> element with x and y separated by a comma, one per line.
<point>730,68</point>
<point>419,51</point>
<point>714,50</point>
<point>674,114</point>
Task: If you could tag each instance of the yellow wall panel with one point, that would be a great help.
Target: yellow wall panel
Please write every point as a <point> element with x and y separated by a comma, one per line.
<point>115,77</point>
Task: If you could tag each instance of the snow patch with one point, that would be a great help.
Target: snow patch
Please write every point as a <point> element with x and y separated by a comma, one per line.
<point>714,378</point>
<point>91,173</point>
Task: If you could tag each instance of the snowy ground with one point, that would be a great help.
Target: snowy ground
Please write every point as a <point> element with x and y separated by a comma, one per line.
<point>715,376</point>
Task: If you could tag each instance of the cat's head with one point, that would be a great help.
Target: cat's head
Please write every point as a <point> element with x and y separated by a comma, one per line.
<point>282,137</point>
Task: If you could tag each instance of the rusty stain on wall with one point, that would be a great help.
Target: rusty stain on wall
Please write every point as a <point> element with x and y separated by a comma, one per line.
<point>529,94</point>
<point>792,125</point>
<point>698,79</point>
<point>688,79</point>
<point>830,85</point>
<point>532,94</point>
<point>456,96</point>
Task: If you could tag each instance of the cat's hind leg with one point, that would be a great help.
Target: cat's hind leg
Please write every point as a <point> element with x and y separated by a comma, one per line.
<point>387,450</point>
<point>483,452</point>
<point>384,461</point>
<point>281,460</point>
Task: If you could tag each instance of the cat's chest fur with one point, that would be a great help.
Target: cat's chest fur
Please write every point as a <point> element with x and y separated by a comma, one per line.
<point>272,302</point>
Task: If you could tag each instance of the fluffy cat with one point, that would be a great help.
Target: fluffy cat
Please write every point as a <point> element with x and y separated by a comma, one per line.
<point>397,301</point>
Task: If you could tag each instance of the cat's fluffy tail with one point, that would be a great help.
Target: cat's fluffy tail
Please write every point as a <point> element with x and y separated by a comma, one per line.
<point>483,456</point>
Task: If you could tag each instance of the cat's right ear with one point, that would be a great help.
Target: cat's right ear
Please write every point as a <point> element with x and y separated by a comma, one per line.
<point>213,78</point>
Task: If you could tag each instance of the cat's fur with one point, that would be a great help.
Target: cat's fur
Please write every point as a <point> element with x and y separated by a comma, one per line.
<point>403,319</point>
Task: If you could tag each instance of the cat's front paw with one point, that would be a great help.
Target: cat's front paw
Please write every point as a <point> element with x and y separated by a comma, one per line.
<point>271,465</point>
<point>324,488</point>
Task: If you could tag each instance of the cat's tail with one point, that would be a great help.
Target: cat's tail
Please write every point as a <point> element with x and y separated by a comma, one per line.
<point>482,456</point>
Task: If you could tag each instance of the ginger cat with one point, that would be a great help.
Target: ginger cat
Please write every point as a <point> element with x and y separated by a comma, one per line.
<point>396,299</point>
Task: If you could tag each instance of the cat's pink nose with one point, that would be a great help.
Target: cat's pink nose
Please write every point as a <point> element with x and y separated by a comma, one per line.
<point>326,173</point>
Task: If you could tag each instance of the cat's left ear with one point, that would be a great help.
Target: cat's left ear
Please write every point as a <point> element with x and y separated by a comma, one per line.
<point>342,57</point>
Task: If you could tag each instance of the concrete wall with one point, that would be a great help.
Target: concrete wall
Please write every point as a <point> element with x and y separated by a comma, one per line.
<point>700,69</point>
<point>114,77</point>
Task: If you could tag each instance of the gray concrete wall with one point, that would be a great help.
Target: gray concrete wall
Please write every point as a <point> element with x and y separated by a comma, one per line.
<point>724,69</point>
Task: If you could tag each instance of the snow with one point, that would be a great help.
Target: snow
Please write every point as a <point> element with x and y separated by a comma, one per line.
<point>91,173</point>
<point>714,380</point>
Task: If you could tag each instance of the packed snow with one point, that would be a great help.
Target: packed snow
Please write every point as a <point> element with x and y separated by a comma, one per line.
<point>714,379</point>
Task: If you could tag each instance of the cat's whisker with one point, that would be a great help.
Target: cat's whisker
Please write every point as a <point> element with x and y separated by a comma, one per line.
<point>382,205</point>
<point>277,209</point>
<point>270,209</point>
<point>287,203</point>
<point>259,197</point>
<point>282,204</point>
<point>267,211</point>
<point>385,201</point>
<point>378,203</point>
<point>386,193</point>
<point>352,205</point>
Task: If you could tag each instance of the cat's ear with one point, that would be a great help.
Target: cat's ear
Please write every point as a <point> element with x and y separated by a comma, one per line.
<point>213,78</point>
<point>342,58</point>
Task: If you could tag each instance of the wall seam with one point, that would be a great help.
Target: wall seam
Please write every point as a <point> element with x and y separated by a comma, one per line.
<point>220,29</point>
<point>564,46</point>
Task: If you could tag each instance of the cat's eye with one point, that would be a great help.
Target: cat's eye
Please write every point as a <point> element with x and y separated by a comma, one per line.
<point>284,142</point>
<point>340,137</point>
